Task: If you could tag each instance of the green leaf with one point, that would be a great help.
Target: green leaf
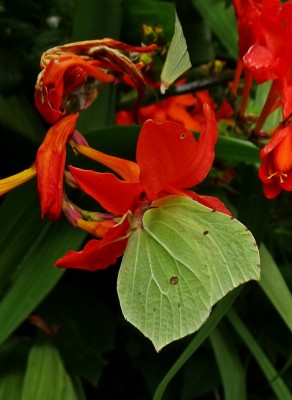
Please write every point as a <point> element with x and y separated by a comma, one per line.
<point>255,105</point>
<point>197,33</point>
<point>95,20</point>
<point>79,330</point>
<point>184,259</point>
<point>222,21</point>
<point>232,149</point>
<point>277,384</point>
<point>18,237</point>
<point>220,310</point>
<point>32,260</point>
<point>253,207</point>
<point>231,369</point>
<point>13,357</point>
<point>149,12</point>
<point>275,287</point>
<point>102,21</point>
<point>17,113</point>
<point>177,60</point>
<point>46,377</point>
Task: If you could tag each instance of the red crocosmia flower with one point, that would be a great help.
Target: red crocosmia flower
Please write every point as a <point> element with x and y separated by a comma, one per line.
<point>276,168</point>
<point>72,74</point>
<point>225,112</point>
<point>57,82</point>
<point>50,164</point>
<point>186,109</point>
<point>250,15</point>
<point>169,160</point>
<point>264,48</point>
<point>270,58</point>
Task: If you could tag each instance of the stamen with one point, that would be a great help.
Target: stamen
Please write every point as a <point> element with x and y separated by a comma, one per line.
<point>281,176</point>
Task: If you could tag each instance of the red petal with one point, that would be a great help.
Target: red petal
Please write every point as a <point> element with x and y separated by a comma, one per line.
<point>287,184</point>
<point>272,189</point>
<point>49,99</point>
<point>169,155</point>
<point>50,163</point>
<point>278,136</point>
<point>113,194</point>
<point>263,63</point>
<point>266,169</point>
<point>283,153</point>
<point>209,201</point>
<point>98,254</point>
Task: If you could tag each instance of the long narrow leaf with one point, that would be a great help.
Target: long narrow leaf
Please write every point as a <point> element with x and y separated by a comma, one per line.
<point>238,150</point>
<point>13,356</point>
<point>277,384</point>
<point>275,287</point>
<point>216,316</point>
<point>221,19</point>
<point>102,21</point>
<point>37,275</point>
<point>230,367</point>
<point>46,377</point>
<point>17,113</point>
<point>20,215</point>
<point>10,386</point>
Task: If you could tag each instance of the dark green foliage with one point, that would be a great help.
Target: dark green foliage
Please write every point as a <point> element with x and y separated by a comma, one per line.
<point>104,356</point>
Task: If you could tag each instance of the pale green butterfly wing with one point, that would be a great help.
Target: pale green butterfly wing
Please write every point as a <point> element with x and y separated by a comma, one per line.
<point>184,259</point>
<point>177,60</point>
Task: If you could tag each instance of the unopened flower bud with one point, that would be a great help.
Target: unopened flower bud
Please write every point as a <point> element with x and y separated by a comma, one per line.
<point>78,138</point>
<point>71,212</point>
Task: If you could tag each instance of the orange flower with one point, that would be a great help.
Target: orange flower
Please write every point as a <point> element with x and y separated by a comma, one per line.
<point>72,74</point>
<point>50,164</point>
<point>169,160</point>
<point>276,169</point>
<point>186,109</point>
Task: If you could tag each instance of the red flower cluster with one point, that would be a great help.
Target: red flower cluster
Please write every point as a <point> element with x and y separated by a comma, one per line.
<point>276,169</point>
<point>265,32</point>
<point>70,78</point>
<point>186,109</point>
<point>169,160</point>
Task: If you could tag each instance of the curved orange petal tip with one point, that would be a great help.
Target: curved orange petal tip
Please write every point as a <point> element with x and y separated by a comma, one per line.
<point>16,180</point>
<point>98,254</point>
<point>50,164</point>
<point>128,170</point>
